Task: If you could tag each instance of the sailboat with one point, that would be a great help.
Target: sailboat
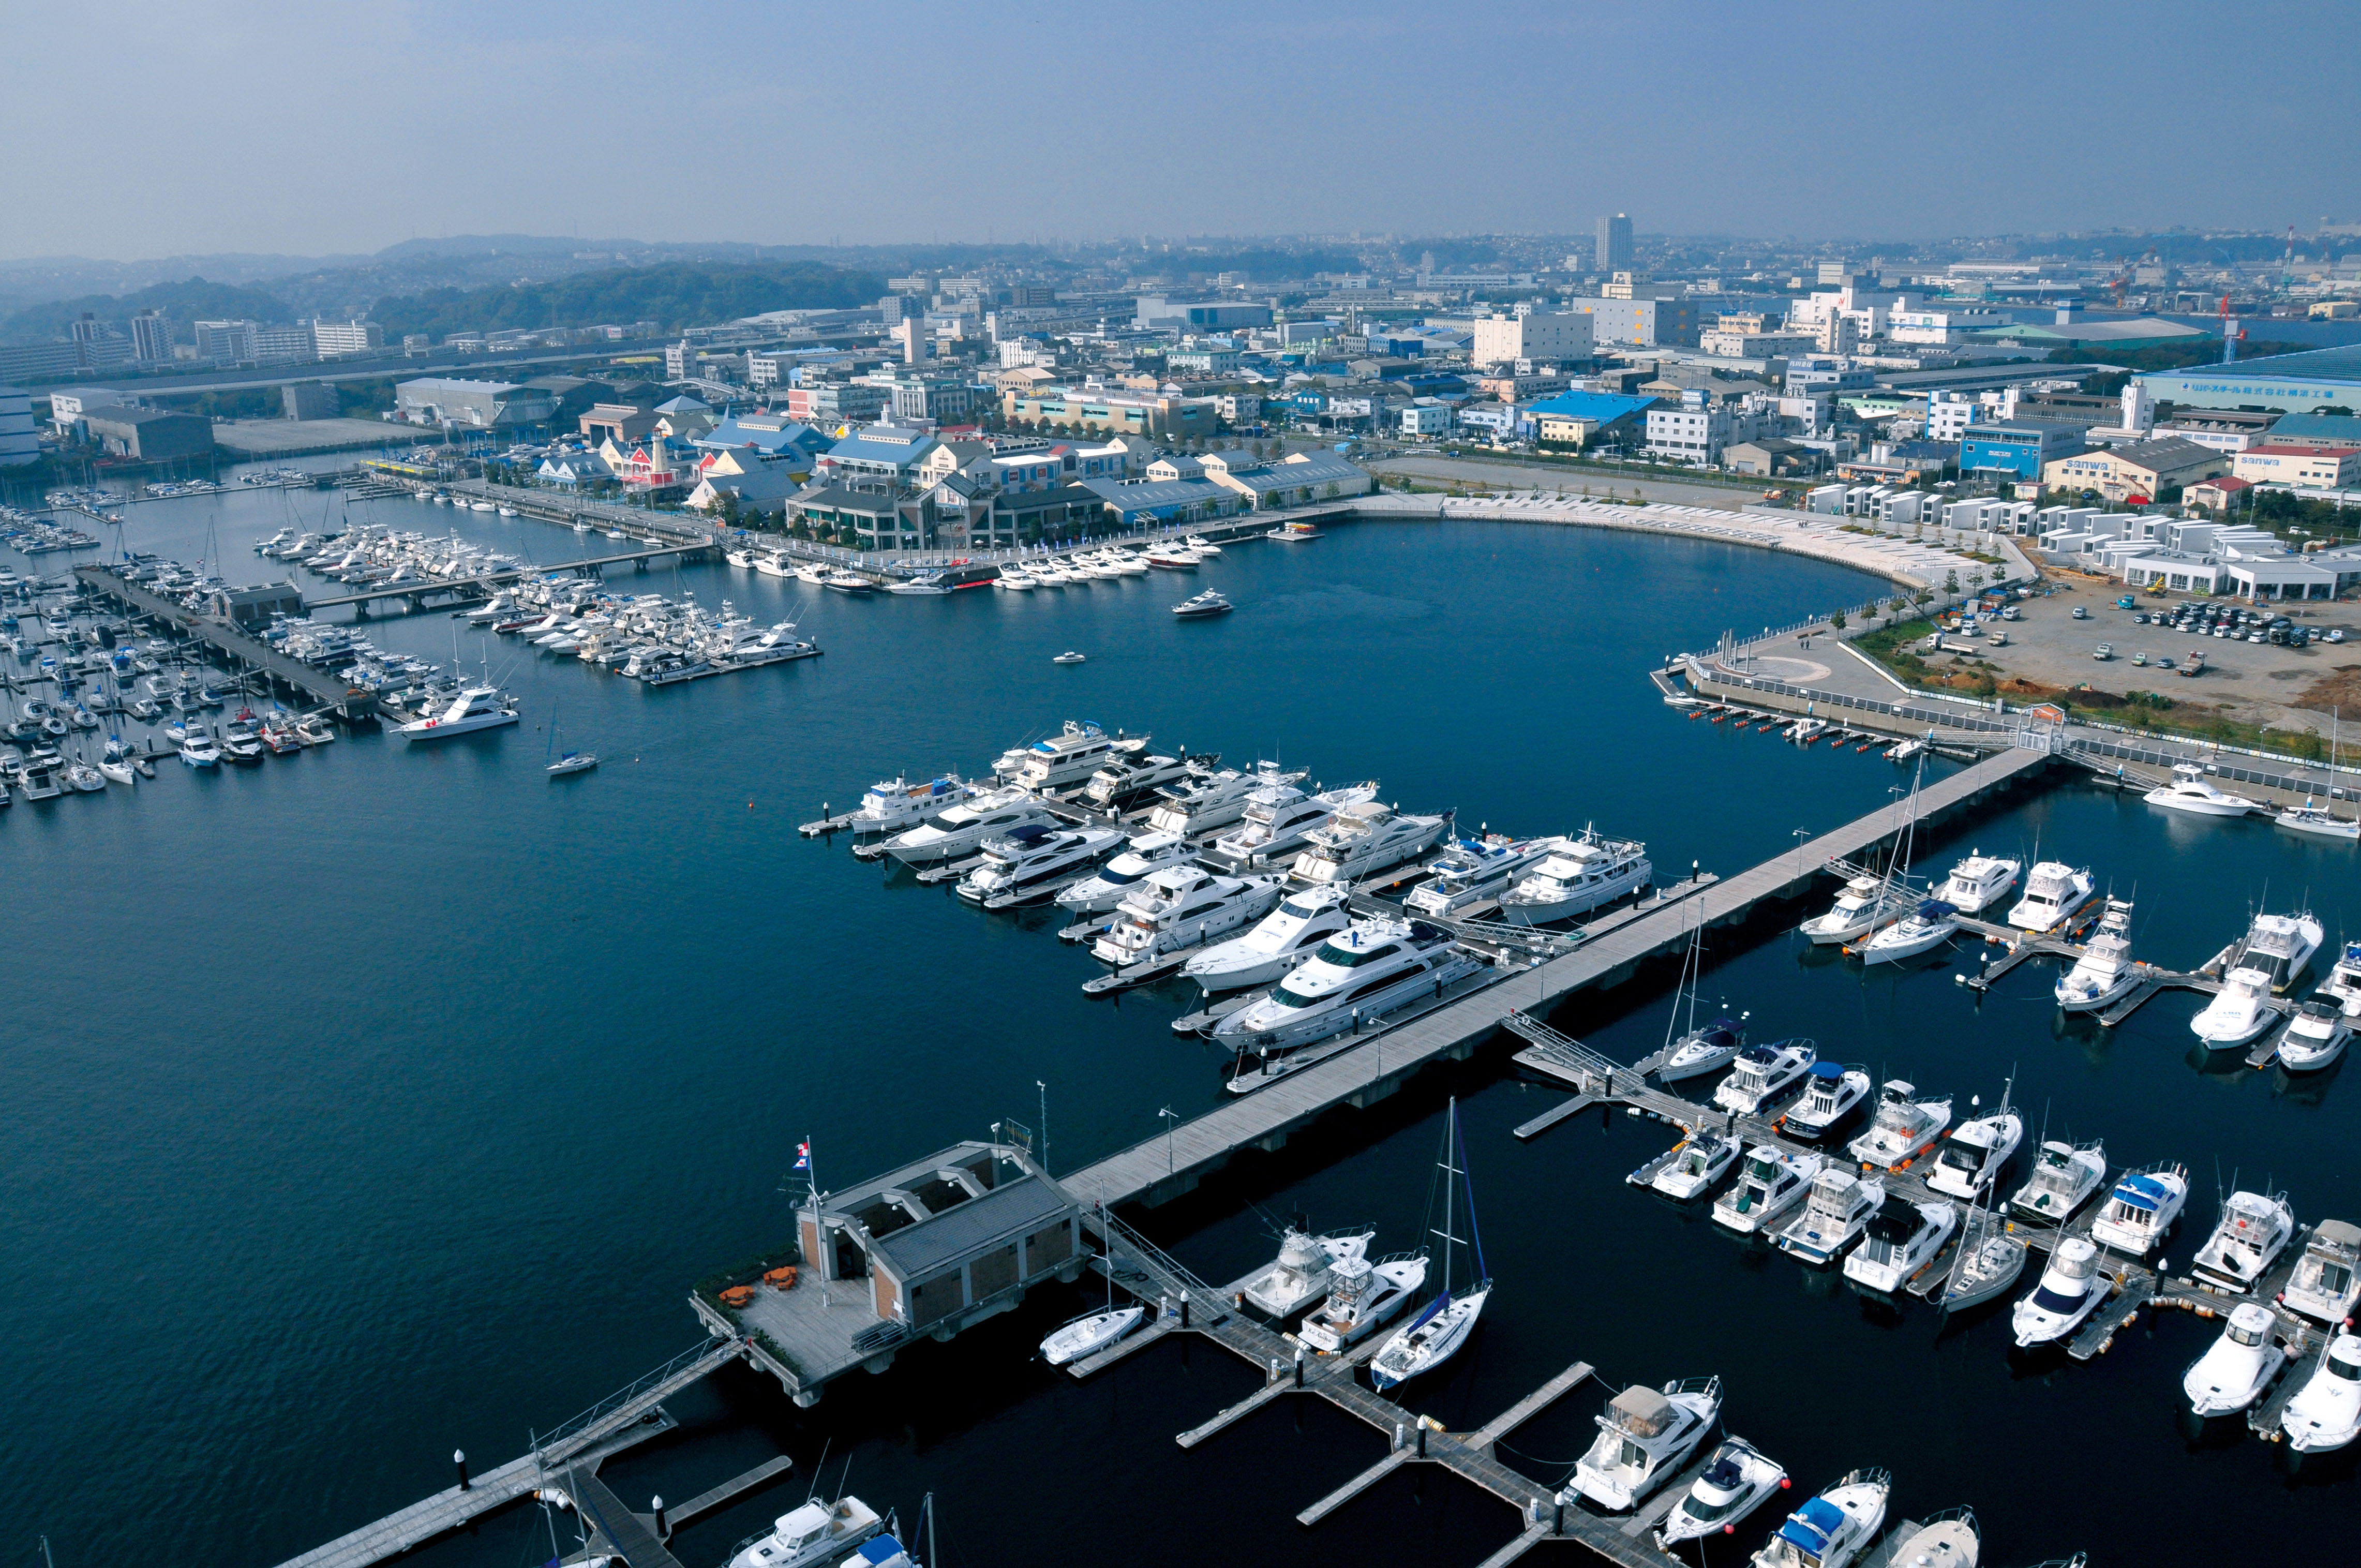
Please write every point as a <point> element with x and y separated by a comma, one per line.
<point>1434,1336</point>
<point>567,762</point>
<point>2317,820</point>
<point>1701,1050</point>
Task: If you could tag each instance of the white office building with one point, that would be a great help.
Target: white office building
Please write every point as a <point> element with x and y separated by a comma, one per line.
<point>331,340</point>
<point>1505,340</point>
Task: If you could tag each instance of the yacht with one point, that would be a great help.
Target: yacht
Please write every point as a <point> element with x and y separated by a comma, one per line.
<point>2240,1011</point>
<point>2280,946</point>
<point>1032,861</point>
<point>1866,904</point>
<point>1181,906</point>
<point>958,829</point>
<point>1952,1538</point>
<point>2105,973</point>
<point>1645,1437</point>
<point>892,805</point>
<point>1696,1166</point>
<point>1771,1182</point>
<point>1738,1479</point>
<point>2052,893</point>
<point>476,708</point>
<point>849,583</point>
<point>1829,1095</point>
<point>1089,1334</point>
<point>1014,578</point>
<point>199,750</point>
<point>1977,883</point>
<point>2327,1279</point>
<point>1119,784</point>
<point>1301,1275</point>
<point>1147,852</point>
<point>2255,1228</point>
<point>1931,925</point>
<point>1070,758</point>
<point>1476,871</point>
<point>926,582</point>
<point>1363,1297</point>
<point>2344,981</point>
<point>1287,937</point>
<point>2141,1209</point>
<point>1588,874</point>
<point>1277,820</point>
<point>1203,606</point>
<point>1839,1209</point>
<point>2315,1036</point>
<point>2319,822</point>
<point>1977,1151</point>
<point>1361,841</point>
<point>1443,1325</point>
<point>1196,807</point>
<point>1368,969</point>
<point>813,1534</point>
<point>1906,1127</point>
<point>1707,1048</point>
<point>2325,1413</point>
<point>2191,792</point>
<point>2064,1176</point>
<point>812,572</point>
<point>1200,545</point>
<point>2237,1367</point>
<point>1900,1240</point>
<point>1764,1074</point>
<point>1831,1530</point>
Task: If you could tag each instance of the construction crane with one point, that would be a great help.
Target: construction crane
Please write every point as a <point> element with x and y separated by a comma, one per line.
<point>2229,338</point>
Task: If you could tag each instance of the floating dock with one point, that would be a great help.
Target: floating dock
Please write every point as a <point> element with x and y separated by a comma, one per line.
<point>245,653</point>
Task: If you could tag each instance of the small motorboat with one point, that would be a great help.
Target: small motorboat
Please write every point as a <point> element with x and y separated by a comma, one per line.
<point>2237,1367</point>
<point>2255,1228</point>
<point>1906,1127</point>
<point>1829,1098</point>
<point>2072,1288</point>
<point>2064,1176</point>
<point>1696,1163</point>
<point>2315,1036</point>
<point>1835,1528</point>
<point>1089,1334</point>
<point>2104,972</point>
<point>2326,1283</point>
<point>1069,657</point>
<point>1951,1538</point>
<point>2143,1207</point>
<point>2325,1413</point>
<point>1738,1479</point>
<point>1903,1239</point>
<point>1644,1438</point>
<point>1772,1183</point>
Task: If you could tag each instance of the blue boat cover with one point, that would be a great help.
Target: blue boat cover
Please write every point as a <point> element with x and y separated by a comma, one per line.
<point>2143,1192</point>
<point>880,1549</point>
<point>1828,1070</point>
<point>1935,909</point>
<point>1810,1525</point>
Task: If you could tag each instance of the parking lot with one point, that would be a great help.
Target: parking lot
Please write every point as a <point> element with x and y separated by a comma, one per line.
<point>2247,681</point>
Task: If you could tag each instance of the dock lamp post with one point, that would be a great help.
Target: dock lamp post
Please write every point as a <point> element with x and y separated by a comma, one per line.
<point>1169,1117</point>
<point>1800,834</point>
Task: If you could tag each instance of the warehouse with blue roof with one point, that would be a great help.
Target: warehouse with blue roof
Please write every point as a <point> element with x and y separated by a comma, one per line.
<point>1586,419</point>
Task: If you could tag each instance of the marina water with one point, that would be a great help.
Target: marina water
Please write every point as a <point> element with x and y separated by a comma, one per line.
<point>374,1103</point>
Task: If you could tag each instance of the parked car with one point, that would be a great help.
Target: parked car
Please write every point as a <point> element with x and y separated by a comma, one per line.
<point>2080,613</point>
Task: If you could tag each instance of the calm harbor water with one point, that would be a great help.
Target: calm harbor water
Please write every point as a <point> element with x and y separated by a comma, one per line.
<point>375,1102</point>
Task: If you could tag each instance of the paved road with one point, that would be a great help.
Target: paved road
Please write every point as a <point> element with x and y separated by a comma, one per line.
<point>1504,471</point>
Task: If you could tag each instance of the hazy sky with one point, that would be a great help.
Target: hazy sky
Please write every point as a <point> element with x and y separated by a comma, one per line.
<point>143,130</point>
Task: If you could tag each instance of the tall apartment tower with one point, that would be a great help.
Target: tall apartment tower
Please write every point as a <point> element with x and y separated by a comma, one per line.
<point>151,337</point>
<point>1615,244</point>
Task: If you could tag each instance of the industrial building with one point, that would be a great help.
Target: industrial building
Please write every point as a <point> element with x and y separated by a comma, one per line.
<point>2016,450</point>
<point>2136,473</point>
<point>151,435</point>
<point>479,405</point>
<point>1648,323</point>
<point>1533,337</point>
<point>19,442</point>
<point>2291,383</point>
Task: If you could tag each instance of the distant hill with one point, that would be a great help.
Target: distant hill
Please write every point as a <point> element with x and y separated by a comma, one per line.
<point>677,294</point>
<point>194,300</point>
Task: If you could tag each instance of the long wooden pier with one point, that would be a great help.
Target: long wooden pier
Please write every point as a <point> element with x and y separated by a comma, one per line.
<point>323,687</point>
<point>478,586</point>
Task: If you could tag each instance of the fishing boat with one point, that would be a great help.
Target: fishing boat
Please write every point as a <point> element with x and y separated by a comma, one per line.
<point>2255,1228</point>
<point>1903,1239</point>
<point>1829,1095</point>
<point>1839,1208</point>
<point>2237,1367</point>
<point>1865,904</point>
<point>2239,1011</point>
<point>1436,1334</point>
<point>1737,1480</point>
<point>2325,1413</point>
<point>2326,1283</point>
<point>1772,1183</point>
<point>2280,947</point>
<point>2053,891</point>
<point>1764,1074</point>
<point>1833,1528</point>
<point>2064,1176</point>
<point>1299,1277</point>
<point>2105,973</point>
<point>1363,1297</point>
<point>2143,1207</point>
<point>1905,1128</point>
<point>1645,1436</point>
<point>2191,792</point>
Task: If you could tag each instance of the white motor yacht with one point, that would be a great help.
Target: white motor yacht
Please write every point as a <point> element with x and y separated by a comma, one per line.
<point>1300,1276</point>
<point>1696,1163</point>
<point>1829,1095</point>
<point>895,803</point>
<point>1900,1240</point>
<point>2344,981</point>
<point>1114,882</point>
<point>2070,1290</point>
<point>1737,1480</point>
<point>2139,1210</point>
<point>1363,1297</point>
<point>1196,807</point>
<point>1200,545</point>
<point>2064,1176</point>
<point>1865,904</point>
<point>1771,1182</point>
<point>1368,970</point>
<point>1588,874</point>
<point>2105,973</point>
<point>2255,1228</point>
<point>2053,891</point>
<point>2326,1283</point>
<point>2240,1011</point>
<point>1181,906</point>
<point>814,1533</point>
<point>1930,925</point>
<point>1014,577</point>
<point>1977,883</point>
<point>1361,841</point>
<point>1287,937</point>
<point>1278,819</point>
<point>955,830</point>
<point>2315,1036</point>
<point>1089,1334</point>
<point>1834,1529</point>
<point>2325,1413</point>
<point>1839,1208</point>
<point>476,708</point>
<point>1070,758</point>
<point>1762,1075</point>
<point>2191,792</point>
<point>2237,1367</point>
<point>1032,861</point>
<point>1645,1437</point>
<point>1976,1152</point>
<point>1905,1128</point>
<point>1478,871</point>
<point>2280,946</point>
<point>1119,784</point>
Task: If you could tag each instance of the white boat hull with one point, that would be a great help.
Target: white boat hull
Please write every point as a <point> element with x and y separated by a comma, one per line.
<point>1423,1347</point>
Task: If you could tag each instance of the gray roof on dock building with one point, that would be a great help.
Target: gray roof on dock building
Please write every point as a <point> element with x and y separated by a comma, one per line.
<point>1011,1210</point>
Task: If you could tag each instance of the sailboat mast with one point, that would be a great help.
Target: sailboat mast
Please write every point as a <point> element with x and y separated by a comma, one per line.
<point>1450,1195</point>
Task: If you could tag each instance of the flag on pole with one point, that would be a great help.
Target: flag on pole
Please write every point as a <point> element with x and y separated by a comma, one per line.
<point>802,1155</point>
